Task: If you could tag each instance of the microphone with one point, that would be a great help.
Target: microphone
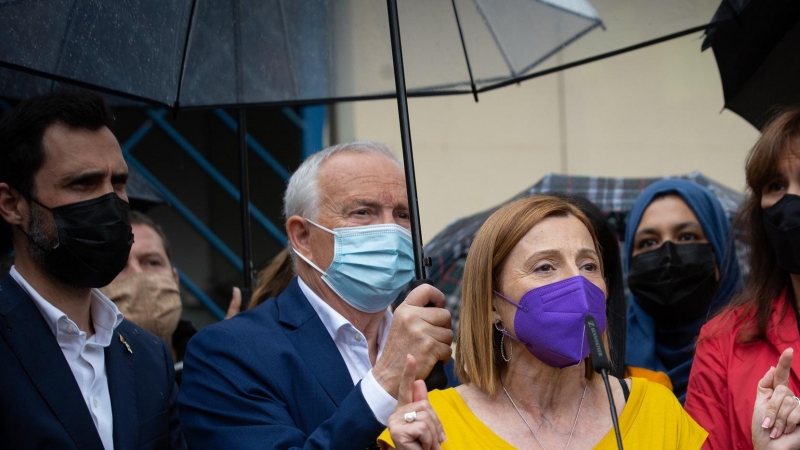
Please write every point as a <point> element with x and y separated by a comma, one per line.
<point>601,365</point>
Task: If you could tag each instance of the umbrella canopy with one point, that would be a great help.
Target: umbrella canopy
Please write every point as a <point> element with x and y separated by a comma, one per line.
<point>223,52</point>
<point>201,53</point>
<point>614,196</point>
<point>756,52</point>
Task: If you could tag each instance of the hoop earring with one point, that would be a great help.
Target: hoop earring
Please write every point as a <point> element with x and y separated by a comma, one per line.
<point>502,343</point>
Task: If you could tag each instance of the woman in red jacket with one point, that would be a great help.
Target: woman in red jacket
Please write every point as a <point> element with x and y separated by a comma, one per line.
<point>740,345</point>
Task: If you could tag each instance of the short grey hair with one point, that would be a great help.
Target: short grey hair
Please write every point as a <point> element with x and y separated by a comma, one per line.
<point>302,193</point>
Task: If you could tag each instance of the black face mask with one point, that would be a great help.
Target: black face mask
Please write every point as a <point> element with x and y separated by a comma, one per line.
<point>674,283</point>
<point>93,242</point>
<point>782,226</point>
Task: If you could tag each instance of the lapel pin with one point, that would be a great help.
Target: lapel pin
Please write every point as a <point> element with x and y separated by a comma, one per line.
<point>122,339</point>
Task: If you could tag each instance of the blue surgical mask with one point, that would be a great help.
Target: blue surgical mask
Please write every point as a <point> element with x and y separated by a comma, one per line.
<point>371,264</point>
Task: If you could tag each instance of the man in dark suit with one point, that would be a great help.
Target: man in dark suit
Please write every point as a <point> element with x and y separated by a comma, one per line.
<point>75,374</point>
<point>320,365</point>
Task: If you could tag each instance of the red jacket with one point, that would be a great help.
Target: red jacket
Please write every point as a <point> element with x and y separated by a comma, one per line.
<point>725,374</point>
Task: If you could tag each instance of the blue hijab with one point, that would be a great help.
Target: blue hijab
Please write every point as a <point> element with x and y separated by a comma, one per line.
<point>672,350</point>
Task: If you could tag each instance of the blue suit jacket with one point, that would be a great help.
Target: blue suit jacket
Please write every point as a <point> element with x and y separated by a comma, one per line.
<point>272,377</point>
<point>41,404</point>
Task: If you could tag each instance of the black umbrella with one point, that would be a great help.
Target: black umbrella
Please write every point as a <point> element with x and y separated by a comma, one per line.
<point>756,51</point>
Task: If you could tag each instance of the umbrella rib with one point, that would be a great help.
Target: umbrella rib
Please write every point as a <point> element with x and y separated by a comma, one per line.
<point>59,60</point>
<point>184,57</point>
<point>569,11</point>
<point>591,59</point>
<point>496,39</point>
<point>562,46</point>
<point>288,48</point>
<point>324,100</point>
<point>466,55</point>
<point>435,91</point>
<point>236,14</point>
<point>83,84</point>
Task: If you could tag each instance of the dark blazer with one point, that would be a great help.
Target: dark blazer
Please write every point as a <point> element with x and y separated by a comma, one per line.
<point>272,377</point>
<point>41,405</point>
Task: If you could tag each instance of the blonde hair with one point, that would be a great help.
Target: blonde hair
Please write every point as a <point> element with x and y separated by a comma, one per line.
<point>478,359</point>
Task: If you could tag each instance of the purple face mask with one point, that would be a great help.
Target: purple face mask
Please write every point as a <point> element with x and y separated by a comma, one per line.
<point>549,320</point>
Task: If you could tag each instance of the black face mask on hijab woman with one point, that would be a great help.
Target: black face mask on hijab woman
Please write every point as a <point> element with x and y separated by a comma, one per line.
<point>782,226</point>
<point>93,242</point>
<point>674,283</point>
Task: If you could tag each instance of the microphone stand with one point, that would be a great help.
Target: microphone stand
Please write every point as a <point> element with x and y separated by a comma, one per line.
<point>601,365</point>
<point>604,374</point>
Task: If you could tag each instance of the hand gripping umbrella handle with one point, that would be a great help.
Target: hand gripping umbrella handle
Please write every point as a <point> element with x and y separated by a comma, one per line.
<point>437,378</point>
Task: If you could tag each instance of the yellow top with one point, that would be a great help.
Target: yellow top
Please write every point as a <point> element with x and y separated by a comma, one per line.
<point>652,419</point>
<point>649,375</point>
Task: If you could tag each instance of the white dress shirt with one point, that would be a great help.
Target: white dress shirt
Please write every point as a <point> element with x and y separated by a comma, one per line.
<point>86,357</point>
<point>353,347</point>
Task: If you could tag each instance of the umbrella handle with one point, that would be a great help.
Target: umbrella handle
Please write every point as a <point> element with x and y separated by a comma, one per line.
<point>437,378</point>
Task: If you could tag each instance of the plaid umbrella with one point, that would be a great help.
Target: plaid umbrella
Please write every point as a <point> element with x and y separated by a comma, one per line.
<point>614,196</point>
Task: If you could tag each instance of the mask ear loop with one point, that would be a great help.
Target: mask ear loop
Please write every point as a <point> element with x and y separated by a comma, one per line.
<point>308,261</point>
<point>503,334</point>
<point>322,272</point>
<point>320,226</point>
<point>503,331</point>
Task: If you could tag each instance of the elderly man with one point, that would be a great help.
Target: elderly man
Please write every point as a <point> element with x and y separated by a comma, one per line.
<point>75,375</point>
<point>320,365</point>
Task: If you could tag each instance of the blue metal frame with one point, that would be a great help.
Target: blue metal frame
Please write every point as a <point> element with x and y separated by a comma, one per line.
<point>200,295</point>
<point>313,118</point>
<point>311,122</point>
<point>173,200</point>
<point>215,174</point>
<point>253,145</point>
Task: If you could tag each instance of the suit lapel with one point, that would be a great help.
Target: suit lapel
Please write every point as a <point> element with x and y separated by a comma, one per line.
<point>313,342</point>
<point>122,389</point>
<point>30,338</point>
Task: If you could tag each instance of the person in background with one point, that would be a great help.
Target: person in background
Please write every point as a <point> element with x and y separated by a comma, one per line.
<point>147,290</point>
<point>533,273</point>
<point>75,374</point>
<point>682,268</point>
<point>273,279</point>
<point>320,365</point>
<point>759,329</point>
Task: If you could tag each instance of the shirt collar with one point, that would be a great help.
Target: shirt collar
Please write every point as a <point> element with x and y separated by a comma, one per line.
<point>105,314</point>
<point>334,322</point>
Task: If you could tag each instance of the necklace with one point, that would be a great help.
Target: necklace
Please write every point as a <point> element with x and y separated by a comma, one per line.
<point>575,422</point>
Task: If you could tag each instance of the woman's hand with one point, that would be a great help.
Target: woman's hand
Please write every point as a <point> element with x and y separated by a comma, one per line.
<point>414,424</point>
<point>776,412</point>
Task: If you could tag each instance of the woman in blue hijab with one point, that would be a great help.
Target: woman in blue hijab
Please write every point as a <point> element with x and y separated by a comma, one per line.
<point>681,266</point>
